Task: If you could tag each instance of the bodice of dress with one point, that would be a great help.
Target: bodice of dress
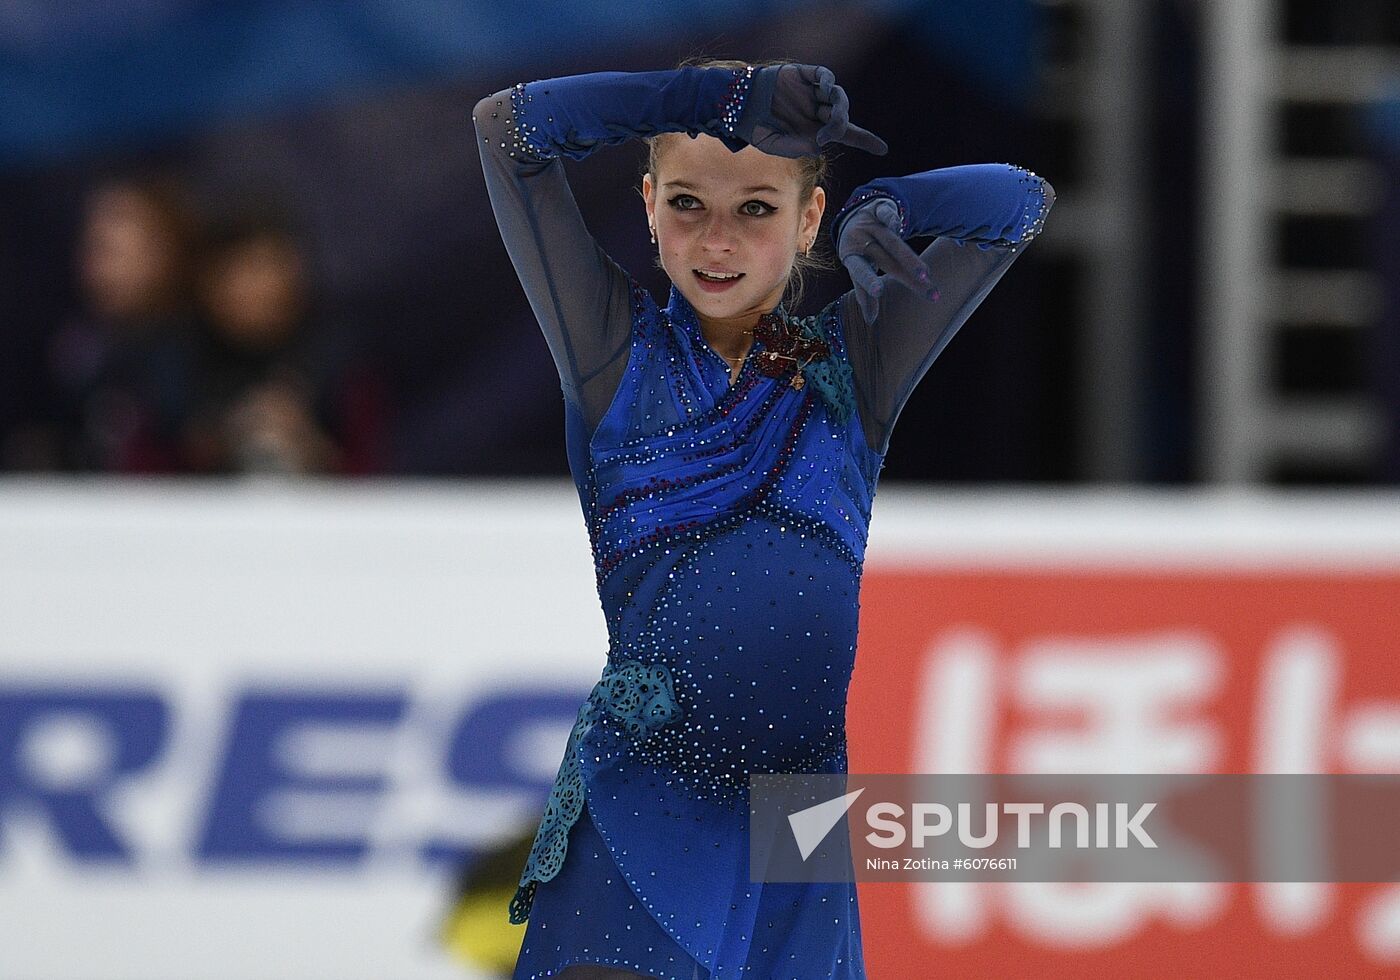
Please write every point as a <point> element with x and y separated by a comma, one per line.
<point>685,454</point>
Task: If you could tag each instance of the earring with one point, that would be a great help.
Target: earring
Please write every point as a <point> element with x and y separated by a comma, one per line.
<point>653,233</point>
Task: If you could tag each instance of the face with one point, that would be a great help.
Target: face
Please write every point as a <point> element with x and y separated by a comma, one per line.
<point>127,257</point>
<point>724,212</point>
<point>254,290</point>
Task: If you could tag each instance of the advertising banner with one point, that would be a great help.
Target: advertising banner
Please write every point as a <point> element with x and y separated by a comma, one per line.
<point>1095,635</point>
<point>257,730</point>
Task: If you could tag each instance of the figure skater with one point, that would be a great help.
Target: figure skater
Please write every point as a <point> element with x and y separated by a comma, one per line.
<point>726,453</point>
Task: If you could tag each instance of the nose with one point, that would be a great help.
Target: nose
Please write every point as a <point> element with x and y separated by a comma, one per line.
<point>719,232</point>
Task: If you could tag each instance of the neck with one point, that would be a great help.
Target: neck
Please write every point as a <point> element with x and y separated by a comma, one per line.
<point>730,337</point>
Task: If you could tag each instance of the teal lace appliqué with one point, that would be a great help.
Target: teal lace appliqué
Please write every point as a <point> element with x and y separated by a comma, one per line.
<point>642,698</point>
<point>831,376</point>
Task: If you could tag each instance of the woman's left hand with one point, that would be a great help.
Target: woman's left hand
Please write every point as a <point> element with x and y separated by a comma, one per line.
<point>869,241</point>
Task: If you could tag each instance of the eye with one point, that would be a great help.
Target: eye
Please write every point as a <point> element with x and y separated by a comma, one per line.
<point>767,209</point>
<point>675,202</point>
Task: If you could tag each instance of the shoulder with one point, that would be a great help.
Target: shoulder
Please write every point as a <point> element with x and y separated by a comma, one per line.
<point>648,316</point>
<point>643,303</point>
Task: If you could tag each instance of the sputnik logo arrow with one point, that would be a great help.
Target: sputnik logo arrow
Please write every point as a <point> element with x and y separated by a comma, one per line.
<point>810,826</point>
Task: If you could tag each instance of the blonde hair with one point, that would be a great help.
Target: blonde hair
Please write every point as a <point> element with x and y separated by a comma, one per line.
<point>811,172</point>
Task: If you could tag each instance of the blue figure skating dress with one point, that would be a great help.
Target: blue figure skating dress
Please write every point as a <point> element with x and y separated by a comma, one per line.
<point>728,518</point>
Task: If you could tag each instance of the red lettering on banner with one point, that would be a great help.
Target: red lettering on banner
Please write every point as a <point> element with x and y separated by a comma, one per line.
<point>969,670</point>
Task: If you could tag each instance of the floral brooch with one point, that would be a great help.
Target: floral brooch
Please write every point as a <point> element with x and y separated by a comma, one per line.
<point>786,350</point>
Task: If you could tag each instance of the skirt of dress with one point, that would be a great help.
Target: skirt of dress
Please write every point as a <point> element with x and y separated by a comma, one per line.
<point>589,914</point>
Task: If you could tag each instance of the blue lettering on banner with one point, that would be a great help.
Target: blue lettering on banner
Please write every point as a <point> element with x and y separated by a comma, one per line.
<point>134,722</point>
<point>253,771</point>
<point>483,752</point>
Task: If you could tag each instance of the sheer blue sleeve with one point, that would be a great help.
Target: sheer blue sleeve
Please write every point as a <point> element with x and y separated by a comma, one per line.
<point>579,295</point>
<point>981,217</point>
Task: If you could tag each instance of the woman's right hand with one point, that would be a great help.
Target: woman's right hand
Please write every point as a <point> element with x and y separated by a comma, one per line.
<point>795,110</point>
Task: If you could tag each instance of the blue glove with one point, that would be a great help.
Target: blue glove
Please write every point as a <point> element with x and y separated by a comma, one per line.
<point>869,238</point>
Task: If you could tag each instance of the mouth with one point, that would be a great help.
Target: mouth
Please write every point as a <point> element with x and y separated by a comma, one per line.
<point>716,281</point>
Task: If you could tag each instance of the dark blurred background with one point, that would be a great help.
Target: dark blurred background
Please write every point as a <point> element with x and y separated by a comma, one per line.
<point>252,236</point>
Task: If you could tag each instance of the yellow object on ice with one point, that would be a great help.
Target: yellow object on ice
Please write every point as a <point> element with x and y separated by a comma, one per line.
<point>479,933</point>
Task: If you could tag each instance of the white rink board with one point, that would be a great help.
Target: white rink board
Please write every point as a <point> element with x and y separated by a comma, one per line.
<point>201,595</point>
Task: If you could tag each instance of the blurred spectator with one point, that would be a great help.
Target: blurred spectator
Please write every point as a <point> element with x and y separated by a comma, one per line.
<point>274,395</point>
<point>119,373</point>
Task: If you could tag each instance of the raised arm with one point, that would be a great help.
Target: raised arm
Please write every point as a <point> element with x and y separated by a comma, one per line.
<point>981,217</point>
<point>578,293</point>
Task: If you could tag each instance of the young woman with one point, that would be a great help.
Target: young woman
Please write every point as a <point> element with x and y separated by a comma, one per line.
<point>726,453</point>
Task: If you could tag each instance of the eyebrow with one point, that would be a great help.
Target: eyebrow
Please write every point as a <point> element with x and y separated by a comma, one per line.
<point>745,190</point>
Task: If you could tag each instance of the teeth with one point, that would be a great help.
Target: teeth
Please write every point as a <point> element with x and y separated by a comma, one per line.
<point>719,275</point>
